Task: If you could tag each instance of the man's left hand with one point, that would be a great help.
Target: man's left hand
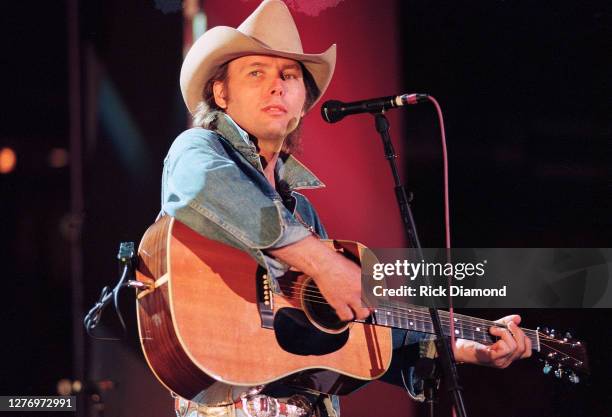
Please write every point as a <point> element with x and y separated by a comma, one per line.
<point>512,345</point>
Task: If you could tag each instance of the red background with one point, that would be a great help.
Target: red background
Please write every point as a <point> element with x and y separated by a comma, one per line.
<point>358,202</point>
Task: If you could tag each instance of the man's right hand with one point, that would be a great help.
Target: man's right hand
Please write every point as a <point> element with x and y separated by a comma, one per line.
<point>338,278</point>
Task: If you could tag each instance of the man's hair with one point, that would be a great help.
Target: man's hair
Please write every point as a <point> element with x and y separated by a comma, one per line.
<point>207,111</point>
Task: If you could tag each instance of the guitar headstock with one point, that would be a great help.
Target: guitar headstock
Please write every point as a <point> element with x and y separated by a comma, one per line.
<point>563,355</point>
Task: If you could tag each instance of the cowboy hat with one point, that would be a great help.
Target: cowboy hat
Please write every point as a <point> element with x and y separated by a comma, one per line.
<point>269,30</point>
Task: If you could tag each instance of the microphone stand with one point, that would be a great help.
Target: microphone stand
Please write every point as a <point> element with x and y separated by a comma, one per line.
<point>445,356</point>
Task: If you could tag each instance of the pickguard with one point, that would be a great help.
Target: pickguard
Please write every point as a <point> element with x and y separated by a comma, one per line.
<point>297,335</point>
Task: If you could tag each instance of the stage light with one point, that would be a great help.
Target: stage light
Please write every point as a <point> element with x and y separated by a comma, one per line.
<point>58,158</point>
<point>8,160</point>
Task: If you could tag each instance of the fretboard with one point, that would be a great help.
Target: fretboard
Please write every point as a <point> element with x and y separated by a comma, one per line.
<point>418,319</point>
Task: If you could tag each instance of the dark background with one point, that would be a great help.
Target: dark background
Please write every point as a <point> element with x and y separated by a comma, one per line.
<point>525,90</point>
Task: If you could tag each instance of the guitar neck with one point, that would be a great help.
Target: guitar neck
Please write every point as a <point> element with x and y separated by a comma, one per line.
<point>416,318</point>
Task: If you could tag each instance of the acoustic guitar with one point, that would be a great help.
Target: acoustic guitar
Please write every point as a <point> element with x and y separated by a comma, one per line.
<point>207,312</point>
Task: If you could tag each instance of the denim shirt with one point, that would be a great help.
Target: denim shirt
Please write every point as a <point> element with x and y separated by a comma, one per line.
<point>213,181</point>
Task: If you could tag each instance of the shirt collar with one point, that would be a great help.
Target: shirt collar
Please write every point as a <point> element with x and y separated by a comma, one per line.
<point>292,171</point>
<point>243,133</point>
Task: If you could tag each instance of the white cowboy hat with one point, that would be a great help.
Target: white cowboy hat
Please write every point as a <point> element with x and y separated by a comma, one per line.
<point>269,30</point>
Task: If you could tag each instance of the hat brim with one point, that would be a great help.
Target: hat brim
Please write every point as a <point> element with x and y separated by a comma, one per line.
<point>222,44</point>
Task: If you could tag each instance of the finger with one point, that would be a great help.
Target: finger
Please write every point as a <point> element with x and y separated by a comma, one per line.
<point>502,352</point>
<point>498,354</point>
<point>499,349</point>
<point>509,339</point>
<point>504,334</point>
<point>513,317</point>
<point>360,311</point>
<point>519,338</point>
<point>344,313</point>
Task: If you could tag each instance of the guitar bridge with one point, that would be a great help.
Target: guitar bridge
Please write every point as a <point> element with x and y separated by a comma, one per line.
<point>265,300</point>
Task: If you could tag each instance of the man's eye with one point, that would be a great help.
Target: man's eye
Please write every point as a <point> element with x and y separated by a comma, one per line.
<point>255,73</point>
<point>289,76</point>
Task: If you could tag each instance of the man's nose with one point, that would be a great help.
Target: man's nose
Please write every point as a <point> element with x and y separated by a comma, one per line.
<point>278,86</point>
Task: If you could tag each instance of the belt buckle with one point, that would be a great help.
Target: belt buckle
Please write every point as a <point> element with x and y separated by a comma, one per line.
<point>260,406</point>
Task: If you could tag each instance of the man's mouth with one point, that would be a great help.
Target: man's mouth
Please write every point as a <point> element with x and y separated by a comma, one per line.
<point>275,109</point>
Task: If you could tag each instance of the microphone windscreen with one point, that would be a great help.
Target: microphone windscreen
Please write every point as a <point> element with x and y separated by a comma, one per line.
<point>331,111</point>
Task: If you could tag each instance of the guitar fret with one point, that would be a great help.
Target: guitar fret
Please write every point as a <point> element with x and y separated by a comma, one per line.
<point>394,318</point>
<point>417,319</point>
<point>383,318</point>
<point>472,334</point>
<point>403,322</point>
<point>411,320</point>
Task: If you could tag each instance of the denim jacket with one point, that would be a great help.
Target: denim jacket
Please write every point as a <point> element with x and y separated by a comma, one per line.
<point>213,181</point>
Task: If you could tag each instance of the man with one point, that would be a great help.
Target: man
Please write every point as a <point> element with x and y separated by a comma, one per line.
<point>232,178</point>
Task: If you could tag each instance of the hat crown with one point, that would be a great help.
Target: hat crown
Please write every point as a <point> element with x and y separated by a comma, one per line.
<point>269,30</point>
<point>272,25</point>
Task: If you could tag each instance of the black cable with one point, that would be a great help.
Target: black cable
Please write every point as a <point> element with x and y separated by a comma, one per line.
<point>116,296</point>
<point>92,318</point>
<point>127,266</point>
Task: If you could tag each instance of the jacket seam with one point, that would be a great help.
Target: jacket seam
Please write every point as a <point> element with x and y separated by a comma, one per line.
<point>234,231</point>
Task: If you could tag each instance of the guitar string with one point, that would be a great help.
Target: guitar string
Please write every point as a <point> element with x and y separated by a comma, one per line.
<point>467,322</point>
<point>486,336</point>
<point>467,319</point>
<point>563,353</point>
<point>316,294</point>
<point>445,320</point>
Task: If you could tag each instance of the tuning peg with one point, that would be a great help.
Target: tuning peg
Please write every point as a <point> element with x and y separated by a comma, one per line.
<point>546,368</point>
<point>559,372</point>
<point>552,332</point>
<point>574,378</point>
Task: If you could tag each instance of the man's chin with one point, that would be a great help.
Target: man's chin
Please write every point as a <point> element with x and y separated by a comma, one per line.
<point>275,135</point>
<point>279,131</point>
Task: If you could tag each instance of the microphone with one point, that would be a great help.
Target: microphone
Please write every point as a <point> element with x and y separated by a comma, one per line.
<point>333,111</point>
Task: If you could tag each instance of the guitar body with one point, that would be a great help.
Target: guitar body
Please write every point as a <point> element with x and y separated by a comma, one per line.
<point>199,321</point>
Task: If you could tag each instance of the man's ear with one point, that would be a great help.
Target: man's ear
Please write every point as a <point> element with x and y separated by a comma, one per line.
<point>219,93</point>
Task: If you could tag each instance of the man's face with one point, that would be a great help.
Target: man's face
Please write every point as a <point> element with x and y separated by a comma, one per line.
<point>264,95</point>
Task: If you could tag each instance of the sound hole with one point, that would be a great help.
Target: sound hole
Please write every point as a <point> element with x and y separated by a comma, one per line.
<point>296,334</point>
<point>319,311</point>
